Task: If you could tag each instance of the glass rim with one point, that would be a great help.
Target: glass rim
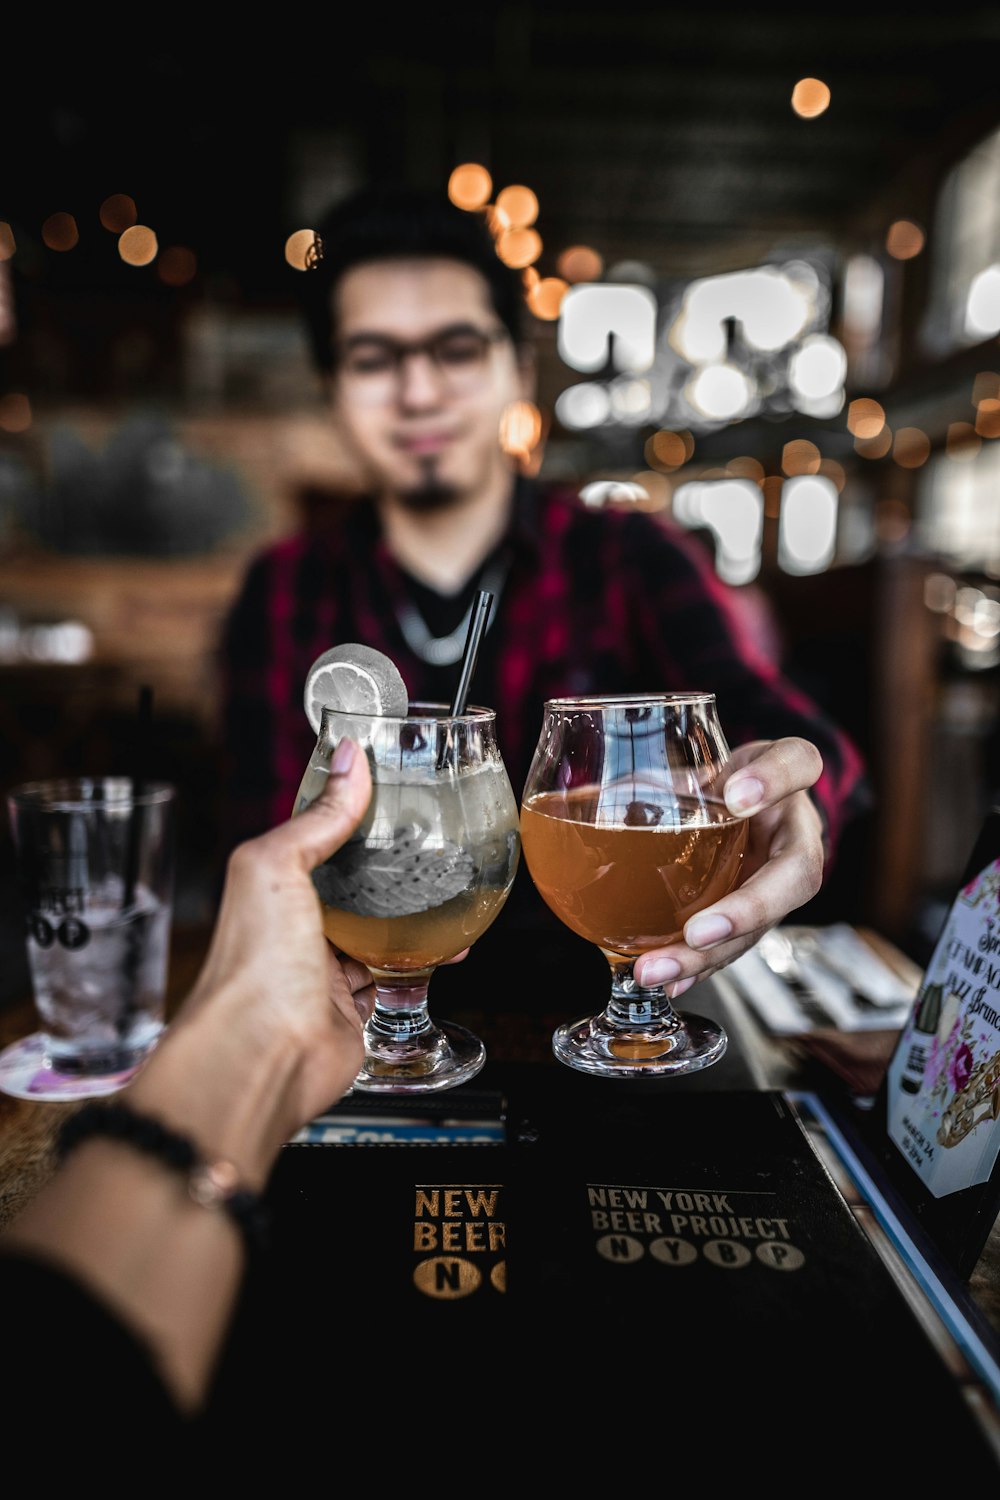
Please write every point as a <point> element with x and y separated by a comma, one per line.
<point>84,793</point>
<point>438,713</point>
<point>628,700</point>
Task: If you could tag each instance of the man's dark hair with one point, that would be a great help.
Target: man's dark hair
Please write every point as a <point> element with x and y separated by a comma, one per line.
<point>382,223</point>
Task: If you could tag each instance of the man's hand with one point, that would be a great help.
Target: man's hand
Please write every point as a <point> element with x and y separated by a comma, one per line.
<point>783,865</point>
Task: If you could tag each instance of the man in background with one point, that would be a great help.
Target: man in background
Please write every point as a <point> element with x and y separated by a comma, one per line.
<point>416,328</point>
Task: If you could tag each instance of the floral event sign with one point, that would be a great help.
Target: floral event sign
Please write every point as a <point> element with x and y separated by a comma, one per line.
<point>942,1088</point>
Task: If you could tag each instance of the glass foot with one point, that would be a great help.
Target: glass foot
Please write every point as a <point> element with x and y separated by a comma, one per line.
<point>446,1057</point>
<point>27,1072</point>
<point>592,1045</point>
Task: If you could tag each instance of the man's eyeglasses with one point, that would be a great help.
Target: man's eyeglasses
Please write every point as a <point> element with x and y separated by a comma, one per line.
<point>371,368</point>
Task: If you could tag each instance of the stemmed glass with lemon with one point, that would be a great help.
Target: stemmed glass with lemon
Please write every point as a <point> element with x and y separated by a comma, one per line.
<point>430,866</point>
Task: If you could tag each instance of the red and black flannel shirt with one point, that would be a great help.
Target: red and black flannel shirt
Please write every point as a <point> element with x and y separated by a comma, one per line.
<point>594,602</point>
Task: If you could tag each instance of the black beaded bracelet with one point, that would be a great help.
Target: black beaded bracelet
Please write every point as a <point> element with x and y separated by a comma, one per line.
<point>210,1184</point>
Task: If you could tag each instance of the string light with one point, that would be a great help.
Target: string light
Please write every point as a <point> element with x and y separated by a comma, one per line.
<point>118,212</point>
<point>59,232</point>
<point>904,239</point>
<point>298,249</point>
<point>138,246</point>
<point>810,97</point>
<point>469,186</point>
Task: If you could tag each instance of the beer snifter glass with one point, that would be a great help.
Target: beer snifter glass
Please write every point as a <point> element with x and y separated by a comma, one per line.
<point>424,875</point>
<point>626,835</point>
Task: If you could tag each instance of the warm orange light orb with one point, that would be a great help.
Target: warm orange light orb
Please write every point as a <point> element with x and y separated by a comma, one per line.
<point>520,206</point>
<point>518,248</point>
<point>520,428</point>
<point>177,265</point>
<point>904,239</point>
<point>800,457</point>
<point>865,418</point>
<point>579,263</point>
<point>746,467</point>
<point>138,246</point>
<point>118,213</point>
<point>7,243</point>
<point>469,186</point>
<point>668,450</point>
<point>545,297</point>
<point>810,97</point>
<point>299,249</point>
<point>59,232</point>
<point>911,447</point>
<point>962,442</point>
<point>988,418</point>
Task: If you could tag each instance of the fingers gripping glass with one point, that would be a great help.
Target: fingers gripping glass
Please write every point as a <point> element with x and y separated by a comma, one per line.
<point>371,367</point>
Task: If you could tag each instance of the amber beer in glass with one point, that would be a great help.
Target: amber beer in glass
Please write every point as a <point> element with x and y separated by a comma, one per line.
<point>626,835</point>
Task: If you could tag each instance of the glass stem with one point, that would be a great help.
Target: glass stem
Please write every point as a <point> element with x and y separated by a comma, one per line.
<point>632,1005</point>
<point>400,1013</point>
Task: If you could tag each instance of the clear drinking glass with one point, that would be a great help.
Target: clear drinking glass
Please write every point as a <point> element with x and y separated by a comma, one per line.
<point>425,874</point>
<point>95,865</point>
<point>626,836</point>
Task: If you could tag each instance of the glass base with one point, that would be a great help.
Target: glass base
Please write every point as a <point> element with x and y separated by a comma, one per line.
<point>447,1056</point>
<point>592,1045</point>
<point>27,1071</point>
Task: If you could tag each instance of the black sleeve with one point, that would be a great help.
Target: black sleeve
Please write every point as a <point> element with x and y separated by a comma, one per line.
<point>82,1388</point>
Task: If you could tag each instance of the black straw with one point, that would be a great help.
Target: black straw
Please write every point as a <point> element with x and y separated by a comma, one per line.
<point>477,626</point>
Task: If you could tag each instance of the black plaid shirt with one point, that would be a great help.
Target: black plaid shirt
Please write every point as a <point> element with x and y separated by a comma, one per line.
<point>594,602</point>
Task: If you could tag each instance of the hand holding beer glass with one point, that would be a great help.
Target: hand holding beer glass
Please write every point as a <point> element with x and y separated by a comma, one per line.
<point>626,835</point>
<point>430,866</point>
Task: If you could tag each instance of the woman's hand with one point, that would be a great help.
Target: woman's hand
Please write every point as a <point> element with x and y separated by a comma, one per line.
<point>783,864</point>
<point>274,1006</point>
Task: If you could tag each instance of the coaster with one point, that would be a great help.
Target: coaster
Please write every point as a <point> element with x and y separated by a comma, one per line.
<point>26,1073</point>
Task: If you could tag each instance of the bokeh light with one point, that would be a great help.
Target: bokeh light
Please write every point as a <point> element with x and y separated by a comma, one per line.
<point>904,239</point>
<point>299,249</point>
<point>988,418</point>
<point>986,387</point>
<point>520,428</point>
<point>982,309</point>
<point>807,530</point>
<point>15,412</point>
<point>657,488</point>
<point>911,447</point>
<point>865,418</point>
<point>668,450</point>
<point>137,246</point>
<point>118,212</point>
<point>810,97</point>
<point>579,263</point>
<point>746,468</point>
<point>7,242</point>
<point>799,456</point>
<point>469,186</point>
<point>892,521</point>
<point>583,406</point>
<point>962,442</point>
<point>818,367</point>
<point>519,206</point>
<point>518,248</point>
<point>177,266</point>
<point>876,446</point>
<point>835,472</point>
<point>720,392</point>
<point>59,232</point>
<point>545,297</point>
